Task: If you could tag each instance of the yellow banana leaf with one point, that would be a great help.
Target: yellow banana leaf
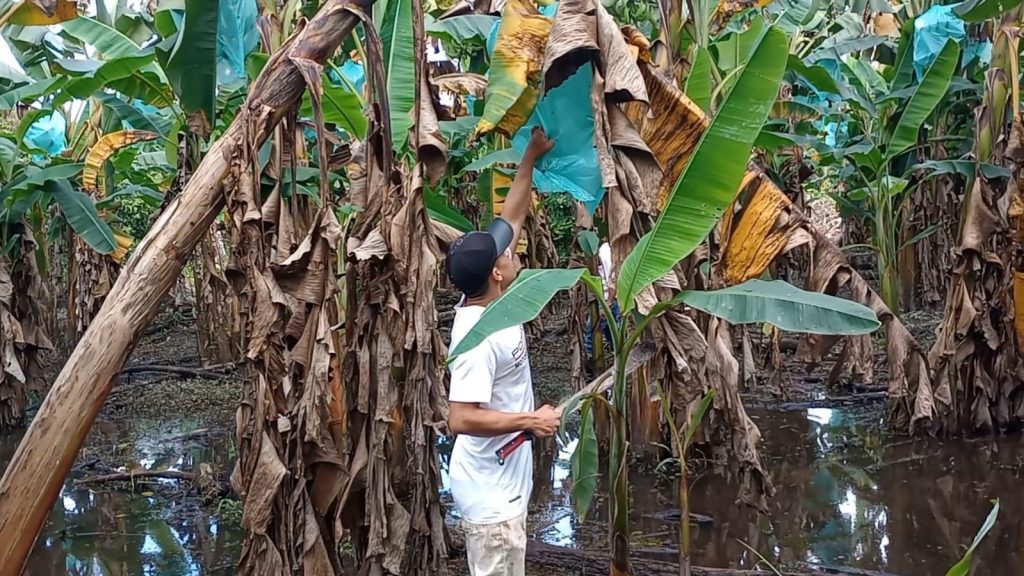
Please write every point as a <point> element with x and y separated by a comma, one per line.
<point>124,243</point>
<point>104,148</point>
<point>33,13</point>
<point>755,238</point>
<point>515,74</point>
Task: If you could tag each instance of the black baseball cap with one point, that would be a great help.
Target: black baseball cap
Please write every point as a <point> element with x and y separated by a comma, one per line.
<point>471,258</point>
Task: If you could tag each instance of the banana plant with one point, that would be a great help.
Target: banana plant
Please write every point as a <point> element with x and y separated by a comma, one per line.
<point>884,113</point>
<point>706,187</point>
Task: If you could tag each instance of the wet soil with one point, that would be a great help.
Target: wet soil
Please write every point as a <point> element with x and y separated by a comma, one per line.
<point>848,494</point>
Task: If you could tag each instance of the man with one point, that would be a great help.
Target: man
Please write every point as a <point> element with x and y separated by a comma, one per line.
<point>491,395</point>
<point>604,267</point>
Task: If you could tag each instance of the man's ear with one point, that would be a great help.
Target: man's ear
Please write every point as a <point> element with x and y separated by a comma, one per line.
<point>496,274</point>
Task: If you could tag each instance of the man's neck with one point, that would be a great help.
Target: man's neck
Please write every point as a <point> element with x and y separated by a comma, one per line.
<point>486,298</point>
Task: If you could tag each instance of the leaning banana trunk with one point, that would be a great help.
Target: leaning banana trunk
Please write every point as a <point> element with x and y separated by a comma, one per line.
<point>36,473</point>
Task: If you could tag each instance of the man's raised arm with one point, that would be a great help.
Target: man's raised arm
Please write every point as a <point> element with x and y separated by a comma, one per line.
<point>517,203</point>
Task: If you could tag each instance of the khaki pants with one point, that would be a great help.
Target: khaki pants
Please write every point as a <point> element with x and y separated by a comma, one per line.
<point>496,549</point>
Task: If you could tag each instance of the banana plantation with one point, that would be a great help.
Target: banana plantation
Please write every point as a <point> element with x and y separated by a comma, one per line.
<point>752,287</point>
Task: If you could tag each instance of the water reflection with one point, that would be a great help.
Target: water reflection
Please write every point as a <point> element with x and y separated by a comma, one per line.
<point>99,530</point>
<point>848,495</point>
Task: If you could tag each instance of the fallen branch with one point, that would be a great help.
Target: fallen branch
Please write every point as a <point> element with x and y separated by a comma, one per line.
<point>672,516</point>
<point>132,476</point>
<point>179,370</point>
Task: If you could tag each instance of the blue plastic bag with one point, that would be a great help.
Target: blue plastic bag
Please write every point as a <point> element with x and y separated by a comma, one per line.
<point>566,115</point>
<point>237,36</point>
<point>48,133</point>
<point>931,31</point>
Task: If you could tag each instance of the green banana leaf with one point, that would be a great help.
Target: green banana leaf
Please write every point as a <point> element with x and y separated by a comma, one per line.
<point>963,567</point>
<point>81,214</point>
<point>981,10</point>
<point>125,112</point>
<point>108,42</point>
<point>584,462</point>
<point>35,176</point>
<point>10,99</point>
<point>698,82</point>
<point>904,58</point>
<point>341,107</point>
<point>460,29</point>
<point>503,156</point>
<point>784,306</point>
<point>438,209</point>
<point>712,177</point>
<point>928,94</point>
<point>90,76</point>
<point>522,302</point>
<point>836,50</point>
<point>965,168</point>
<point>399,67</point>
<point>8,155</point>
<point>192,65</point>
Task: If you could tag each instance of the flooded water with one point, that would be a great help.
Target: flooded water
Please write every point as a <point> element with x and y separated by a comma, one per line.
<point>847,495</point>
<point>96,529</point>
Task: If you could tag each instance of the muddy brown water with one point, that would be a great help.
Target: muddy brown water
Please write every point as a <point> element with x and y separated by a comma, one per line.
<point>847,495</point>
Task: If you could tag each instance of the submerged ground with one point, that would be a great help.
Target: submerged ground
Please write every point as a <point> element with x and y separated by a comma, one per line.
<point>849,495</point>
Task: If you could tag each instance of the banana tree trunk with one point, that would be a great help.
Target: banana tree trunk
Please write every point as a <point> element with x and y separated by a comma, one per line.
<point>36,473</point>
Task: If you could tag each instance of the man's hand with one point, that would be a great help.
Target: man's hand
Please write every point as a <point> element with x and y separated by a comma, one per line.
<point>546,421</point>
<point>539,144</point>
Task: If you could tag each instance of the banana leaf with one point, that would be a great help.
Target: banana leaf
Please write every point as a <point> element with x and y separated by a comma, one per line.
<point>784,306</point>
<point>711,179</point>
<point>584,462</point>
<point>514,78</point>
<point>928,94</point>
<point>460,29</point>
<point>81,214</point>
<point>192,65</point>
<point>399,66</point>
<point>698,82</point>
<point>522,302</point>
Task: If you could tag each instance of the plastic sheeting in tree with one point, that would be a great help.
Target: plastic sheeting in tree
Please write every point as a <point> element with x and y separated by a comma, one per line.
<point>237,36</point>
<point>931,31</point>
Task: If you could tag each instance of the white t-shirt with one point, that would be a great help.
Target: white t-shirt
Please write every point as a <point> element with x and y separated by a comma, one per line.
<point>496,375</point>
<point>604,266</point>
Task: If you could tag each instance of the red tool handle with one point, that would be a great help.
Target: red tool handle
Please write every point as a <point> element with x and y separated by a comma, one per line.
<point>511,446</point>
